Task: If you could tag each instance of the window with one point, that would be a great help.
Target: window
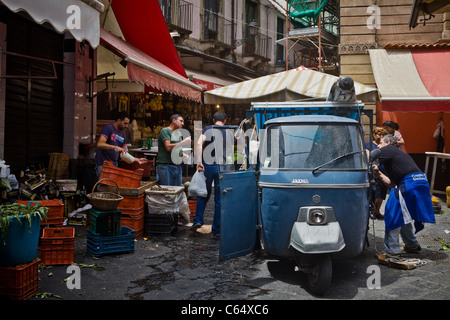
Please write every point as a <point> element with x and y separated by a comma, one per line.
<point>280,53</point>
<point>307,146</point>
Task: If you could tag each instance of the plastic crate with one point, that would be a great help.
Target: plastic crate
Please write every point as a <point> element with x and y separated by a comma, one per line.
<point>105,223</point>
<point>192,208</point>
<point>134,221</point>
<point>21,241</point>
<point>98,245</point>
<point>130,202</point>
<point>146,167</point>
<point>57,246</point>
<point>55,214</point>
<point>160,223</point>
<point>20,282</point>
<point>124,178</point>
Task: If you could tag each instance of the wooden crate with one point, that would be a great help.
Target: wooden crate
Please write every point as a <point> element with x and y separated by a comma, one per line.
<point>58,166</point>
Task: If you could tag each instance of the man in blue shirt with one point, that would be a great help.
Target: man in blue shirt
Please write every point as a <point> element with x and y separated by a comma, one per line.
<point>210,167</point>
<point>112,142</point>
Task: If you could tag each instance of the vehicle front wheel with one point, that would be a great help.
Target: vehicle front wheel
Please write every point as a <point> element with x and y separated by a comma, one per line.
<point>319,277</point>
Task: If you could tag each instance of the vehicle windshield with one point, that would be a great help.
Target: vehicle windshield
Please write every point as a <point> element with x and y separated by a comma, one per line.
<point>309,146</point>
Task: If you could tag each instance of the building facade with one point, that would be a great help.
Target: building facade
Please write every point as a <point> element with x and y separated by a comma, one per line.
<point>403,48</point>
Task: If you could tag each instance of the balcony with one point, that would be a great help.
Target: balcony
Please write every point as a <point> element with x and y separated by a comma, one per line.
<point>258,45</point>
<point>178,15</point>
<point>218,33</point>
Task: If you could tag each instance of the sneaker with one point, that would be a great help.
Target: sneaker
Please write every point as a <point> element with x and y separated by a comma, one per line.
<point>379,216</point>
<point>195,226</point>
<point>413,250</point>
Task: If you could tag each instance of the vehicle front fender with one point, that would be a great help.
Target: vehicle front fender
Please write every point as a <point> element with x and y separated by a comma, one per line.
<point>307,238</point>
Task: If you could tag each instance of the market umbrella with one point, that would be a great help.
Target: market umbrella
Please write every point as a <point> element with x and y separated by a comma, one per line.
<point>295,84</point>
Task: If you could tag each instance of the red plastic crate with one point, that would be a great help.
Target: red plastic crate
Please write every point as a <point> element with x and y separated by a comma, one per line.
<point>146,166</point>
<point>55,215</point>
<point>134,221</point>
<point>20,282</point>
<point>192,208</point>
<point>57,246</point>
<point>124,178</point>
<point>130,202</point>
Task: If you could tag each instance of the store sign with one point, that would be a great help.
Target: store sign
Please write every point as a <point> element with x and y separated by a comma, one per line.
<point>206,85</point>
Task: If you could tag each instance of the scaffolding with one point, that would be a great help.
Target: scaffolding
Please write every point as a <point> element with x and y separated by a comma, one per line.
<point>315,36</point>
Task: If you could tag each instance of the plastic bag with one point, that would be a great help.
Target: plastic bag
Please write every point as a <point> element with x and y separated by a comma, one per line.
<point>165,200</point>
<point>197,187</point>
<point>184,208</point>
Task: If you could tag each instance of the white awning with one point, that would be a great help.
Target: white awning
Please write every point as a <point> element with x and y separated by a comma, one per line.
<point>79,17</point>
<point>412,80</point>
<point>294,84</point>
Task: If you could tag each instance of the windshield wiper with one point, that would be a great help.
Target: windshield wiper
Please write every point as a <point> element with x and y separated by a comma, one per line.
<point>335,159</point>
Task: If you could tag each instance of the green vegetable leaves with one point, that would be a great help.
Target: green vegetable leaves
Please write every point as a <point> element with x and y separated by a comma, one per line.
<point>445,246</point>
<point>19,211</point>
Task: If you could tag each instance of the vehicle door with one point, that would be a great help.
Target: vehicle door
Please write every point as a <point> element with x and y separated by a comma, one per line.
<point>238,194</point>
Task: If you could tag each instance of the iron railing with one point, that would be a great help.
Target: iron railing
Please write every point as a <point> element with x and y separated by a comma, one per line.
<point>218,28</point>
<point>259,44</point>
<point>178,13</point>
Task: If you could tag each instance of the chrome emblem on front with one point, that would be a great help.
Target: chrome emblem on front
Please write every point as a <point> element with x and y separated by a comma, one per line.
<point>300,181</point>
<point>316,198</point>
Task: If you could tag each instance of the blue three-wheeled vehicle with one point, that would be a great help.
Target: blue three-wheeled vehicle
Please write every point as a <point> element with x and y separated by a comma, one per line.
<point>308,196</point>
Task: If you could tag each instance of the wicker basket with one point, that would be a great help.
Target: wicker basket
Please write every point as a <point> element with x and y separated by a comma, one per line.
<point>105,201</point>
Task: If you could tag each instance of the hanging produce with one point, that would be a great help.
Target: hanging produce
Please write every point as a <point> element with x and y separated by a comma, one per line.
<point>156,103</point>
<point>123,102</point>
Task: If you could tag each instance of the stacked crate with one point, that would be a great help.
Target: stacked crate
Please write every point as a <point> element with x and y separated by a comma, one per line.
<point>132,208</point>
<point>56,243</point>
<point>163,203</point>
<point>192,208</point>
<point>132,190</point>
<point>123,178</point>
<point>18,258</point>
<point>98,245</point>
<point>55,214</point>
<point>105,234</point>
<point>57,246</point>
<point>20,282</point>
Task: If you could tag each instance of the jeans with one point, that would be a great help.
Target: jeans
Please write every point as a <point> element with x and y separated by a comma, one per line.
<point>391,238</point>
<point>98,170</point>
<point>211,174</point>
<point>169,175</point>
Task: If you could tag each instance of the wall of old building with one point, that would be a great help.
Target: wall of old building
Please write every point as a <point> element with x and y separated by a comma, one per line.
<point>365,26</point>
<point>80,114</point>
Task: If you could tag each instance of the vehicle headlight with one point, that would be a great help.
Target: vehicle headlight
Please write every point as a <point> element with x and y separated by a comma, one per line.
<point>317,216</point>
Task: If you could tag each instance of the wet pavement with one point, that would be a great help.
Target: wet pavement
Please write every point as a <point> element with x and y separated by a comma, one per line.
<point>186,267</point>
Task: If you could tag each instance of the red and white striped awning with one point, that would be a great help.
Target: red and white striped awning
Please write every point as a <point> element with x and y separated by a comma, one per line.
<point>416,80</point>
<point>144,69</point>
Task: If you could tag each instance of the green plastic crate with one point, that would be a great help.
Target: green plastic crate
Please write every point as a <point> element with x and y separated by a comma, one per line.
<point>105,223</point>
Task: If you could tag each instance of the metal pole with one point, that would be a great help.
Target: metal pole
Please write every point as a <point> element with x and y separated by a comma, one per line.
<point>287,34</point>
<point>320,44</point>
